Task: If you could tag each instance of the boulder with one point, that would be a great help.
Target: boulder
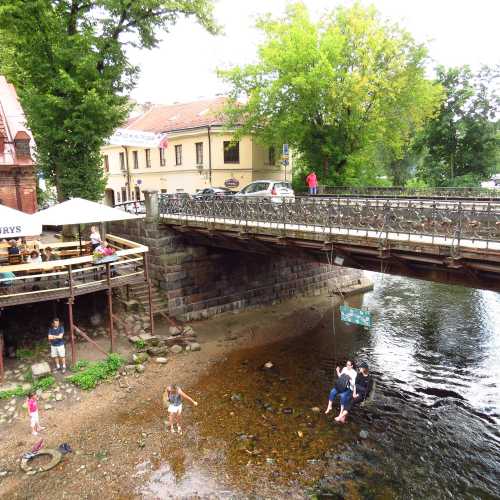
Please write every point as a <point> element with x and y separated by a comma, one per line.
<point>188,330</point>
<point>140,368</point>
<point>176,349</point>
<point>48,407</point>
<point>59,397</point>
<point>157,351</point>
<point>148,339</point>
<point>46,396</point>
<point>8,387</point>
<point>40,370</point>
<point>139,357</point>
<point>174,330</point>
<point>161,361</point>
<point>134,339</point>
<point>193,346</point>
<point>363,434</point>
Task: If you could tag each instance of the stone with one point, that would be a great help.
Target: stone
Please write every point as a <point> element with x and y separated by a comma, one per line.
<point>8,387</point>
<point>194,346</point>
<point>161,361</point>
<point>96,319</point>
<point>59,397</point>
<point>236,397</point>
<point>176,349</point>
<point>158,351</point>
<point>46,395</point>
<point>40,370</point>
<point>315,409</point>
<point>128,368</point>
<point>188,330</point>
<point>148,338</point>
<point>363,434</point>
<point>287,411</point>
<point>139,357</point>
<point>270,461</point>
<point>134,339</point>
<point>140,368</point>
<point>48,407</point>
<point>268,365</point>
<point>174,330</point>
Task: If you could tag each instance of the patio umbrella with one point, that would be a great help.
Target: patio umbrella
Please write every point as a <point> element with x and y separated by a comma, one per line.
<point>14,224</point>
<point>80,211</point>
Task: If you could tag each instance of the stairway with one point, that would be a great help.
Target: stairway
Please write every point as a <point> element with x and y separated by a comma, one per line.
<point>139,292</point>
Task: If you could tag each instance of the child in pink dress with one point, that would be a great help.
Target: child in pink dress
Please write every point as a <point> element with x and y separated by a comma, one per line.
<point>33,412</point>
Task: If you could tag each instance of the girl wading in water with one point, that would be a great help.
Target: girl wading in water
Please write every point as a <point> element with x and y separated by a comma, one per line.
<point>172,398</point>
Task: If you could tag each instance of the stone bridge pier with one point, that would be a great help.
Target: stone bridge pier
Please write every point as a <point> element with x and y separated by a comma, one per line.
<point>200,281</point>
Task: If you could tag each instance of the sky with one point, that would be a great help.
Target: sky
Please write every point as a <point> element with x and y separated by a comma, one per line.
<point>183,67</point>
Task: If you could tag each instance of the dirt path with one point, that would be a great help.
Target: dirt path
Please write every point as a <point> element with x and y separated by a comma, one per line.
<point>120,425</point>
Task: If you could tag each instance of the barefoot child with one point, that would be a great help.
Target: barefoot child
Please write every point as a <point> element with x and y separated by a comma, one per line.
<point>173,397</point>
<point>33,413</point>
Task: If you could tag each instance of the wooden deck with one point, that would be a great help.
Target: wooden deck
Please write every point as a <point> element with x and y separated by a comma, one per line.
<point>67,278</point>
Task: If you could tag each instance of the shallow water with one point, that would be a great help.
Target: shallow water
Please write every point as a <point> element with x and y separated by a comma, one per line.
<point>433,424</point>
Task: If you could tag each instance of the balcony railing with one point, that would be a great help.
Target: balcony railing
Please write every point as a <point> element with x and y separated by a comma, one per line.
<point>66,277</point>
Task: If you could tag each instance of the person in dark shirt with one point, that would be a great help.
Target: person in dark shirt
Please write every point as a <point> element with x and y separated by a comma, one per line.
<point>13,248</point>
<point>56,340</point>
<point>362,388</point>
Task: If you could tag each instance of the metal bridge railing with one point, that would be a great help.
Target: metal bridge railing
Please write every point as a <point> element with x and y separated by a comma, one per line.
<point>459,221</point>
<point>444,193</point>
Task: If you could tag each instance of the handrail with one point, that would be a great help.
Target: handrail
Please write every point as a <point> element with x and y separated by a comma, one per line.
<point>452,221</point>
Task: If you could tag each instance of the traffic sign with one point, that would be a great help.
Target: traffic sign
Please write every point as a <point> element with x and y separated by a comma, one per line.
<point>285,150</point>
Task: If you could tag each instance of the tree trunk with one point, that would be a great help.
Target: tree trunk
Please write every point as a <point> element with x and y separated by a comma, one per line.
<point>325,168</point>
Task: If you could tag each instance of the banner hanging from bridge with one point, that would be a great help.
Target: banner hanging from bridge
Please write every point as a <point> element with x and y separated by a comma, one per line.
<point>355,316</point>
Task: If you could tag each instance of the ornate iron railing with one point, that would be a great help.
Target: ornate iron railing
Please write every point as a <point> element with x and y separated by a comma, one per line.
<point>445,193</point>
<point>475,222</point>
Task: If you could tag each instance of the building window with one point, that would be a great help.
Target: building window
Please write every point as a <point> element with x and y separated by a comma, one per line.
<point>22,147</point>
<point>118,198</point>
<point>137,193</point>
<point>135,156</point>
<point>272,155</point>
<point>163,190</point>
<point>122,161</point>
<point>124,194</point>
<point>178,154</point>
<point>199,153</point>
<point>106,163</point>
<point>148,158</point>
<point>231,152</point>
<point>162,157</point>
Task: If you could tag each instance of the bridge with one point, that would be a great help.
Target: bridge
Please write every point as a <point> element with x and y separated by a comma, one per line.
<point>447,239</point>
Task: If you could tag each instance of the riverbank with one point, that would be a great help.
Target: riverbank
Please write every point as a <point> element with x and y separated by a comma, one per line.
<point>120,425</point>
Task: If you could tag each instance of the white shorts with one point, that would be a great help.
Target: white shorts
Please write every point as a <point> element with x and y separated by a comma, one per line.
<point>175,409</point>
<point>34,420</point>
<point>57,351</point>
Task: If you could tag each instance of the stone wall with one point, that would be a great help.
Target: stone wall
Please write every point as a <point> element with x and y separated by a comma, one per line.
<point>200,281</point>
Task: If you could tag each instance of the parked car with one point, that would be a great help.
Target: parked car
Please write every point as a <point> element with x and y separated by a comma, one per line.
<point>212,192</point>
<point>274,190</point>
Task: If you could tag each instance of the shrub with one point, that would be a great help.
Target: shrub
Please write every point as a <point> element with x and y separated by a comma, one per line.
<point>43,384</point>
<point>80,365</point>
<point>140,344</point>
<point>93,373</point>
<point>24,353</point>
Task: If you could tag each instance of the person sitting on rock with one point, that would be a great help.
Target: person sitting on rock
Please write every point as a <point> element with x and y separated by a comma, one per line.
<point>173,397</point>
<point>343,387</point>
<point>362,389</point>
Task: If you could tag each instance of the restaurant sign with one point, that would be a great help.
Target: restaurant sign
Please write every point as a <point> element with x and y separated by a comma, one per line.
<point>231,183</point>
<point>355,316</point>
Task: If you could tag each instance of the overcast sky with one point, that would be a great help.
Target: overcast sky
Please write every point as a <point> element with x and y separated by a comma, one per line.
<point>183,68</point>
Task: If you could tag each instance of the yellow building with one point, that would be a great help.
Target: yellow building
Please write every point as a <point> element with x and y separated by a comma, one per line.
<point>198,153</point>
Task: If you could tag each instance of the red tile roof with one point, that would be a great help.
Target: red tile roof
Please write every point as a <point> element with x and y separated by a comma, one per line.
<point>169,118</point>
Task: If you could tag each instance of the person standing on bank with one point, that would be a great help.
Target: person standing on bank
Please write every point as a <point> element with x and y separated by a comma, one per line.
<point>173,397</point>
<point>312,183</point>
<point>57,350</point>
<point>95,238</point>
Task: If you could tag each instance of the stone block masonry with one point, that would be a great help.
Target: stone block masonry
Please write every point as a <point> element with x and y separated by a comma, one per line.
<point>202,281</point>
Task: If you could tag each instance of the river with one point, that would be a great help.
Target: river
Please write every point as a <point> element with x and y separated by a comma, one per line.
<point>433,424</point>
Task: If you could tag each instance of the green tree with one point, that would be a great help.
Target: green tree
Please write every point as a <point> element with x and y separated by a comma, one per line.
<point>335,90</point>
<point>68,62</point>
<point>461,141</point>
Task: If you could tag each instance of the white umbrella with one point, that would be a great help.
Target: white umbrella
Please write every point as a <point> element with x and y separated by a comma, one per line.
<point>80,211</point>
<point>14,224</point>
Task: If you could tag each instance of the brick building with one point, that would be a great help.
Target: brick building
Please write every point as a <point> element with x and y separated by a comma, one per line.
<point>17,168</point>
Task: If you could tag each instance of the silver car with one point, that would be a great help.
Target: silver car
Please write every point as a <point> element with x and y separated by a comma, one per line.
<point>277,191</point>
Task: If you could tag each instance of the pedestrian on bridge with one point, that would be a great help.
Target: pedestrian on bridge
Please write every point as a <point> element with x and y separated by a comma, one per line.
<point>312,183</point>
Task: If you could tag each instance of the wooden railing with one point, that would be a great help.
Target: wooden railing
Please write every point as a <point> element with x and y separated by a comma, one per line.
<point>33,282</point>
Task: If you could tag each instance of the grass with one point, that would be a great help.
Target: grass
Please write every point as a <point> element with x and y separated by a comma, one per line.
<point>140,344</point>
<point>80,365</point>
<point>44,384</point>
<point>93,373</point>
